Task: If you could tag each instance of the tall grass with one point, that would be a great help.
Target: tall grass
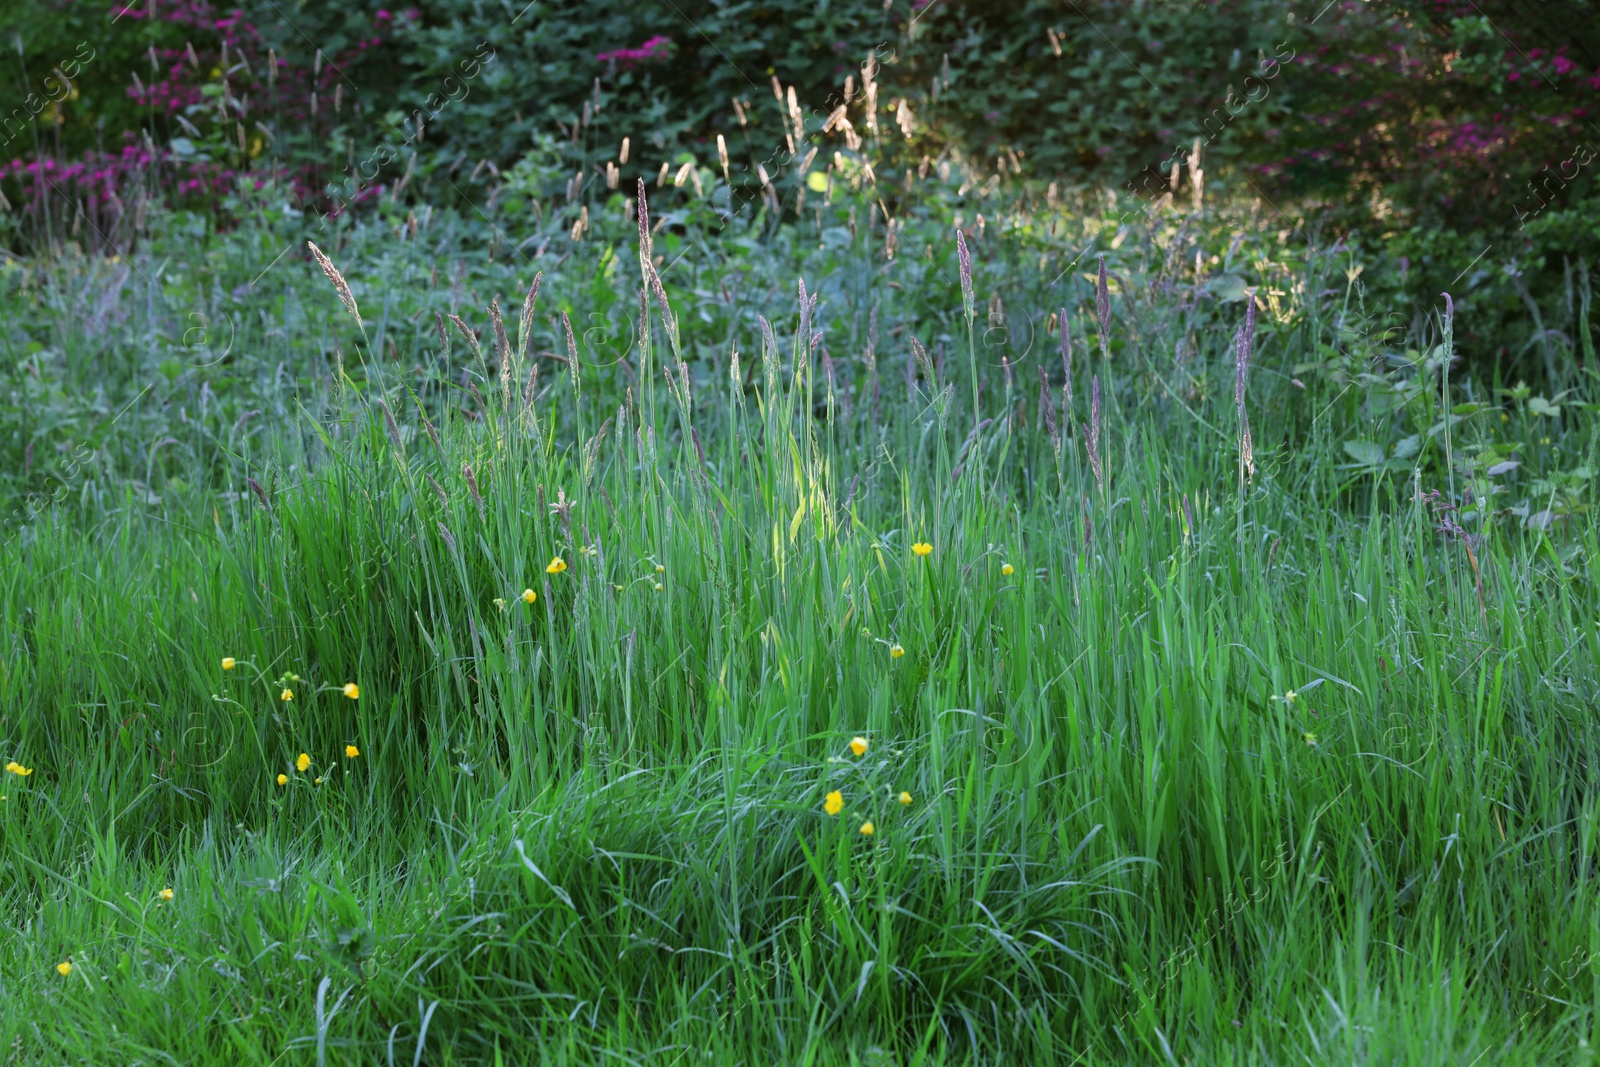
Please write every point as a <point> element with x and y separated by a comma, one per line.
<point>1201,766</point>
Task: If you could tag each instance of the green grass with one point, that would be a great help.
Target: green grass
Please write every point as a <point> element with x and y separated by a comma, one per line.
<point>592,827</point>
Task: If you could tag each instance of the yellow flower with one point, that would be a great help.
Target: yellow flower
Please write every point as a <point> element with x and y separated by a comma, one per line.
<point>165,894</point>
<point>63,968</point>
<point>302,763</point>
<point>18,769</point>
<point>833,803</point>
<point>283,779</point>
<point>556,566</point>
<point>351,752</point>
<point>316,781</point>
<point>905,798</point>
<point>895,651</point>
<point>1007,569</point>
<point>1544,440</point>
<point>529,596</point>
<point>867,828</point>
<point>1311,739</point>
<point>228,663</point>
<point>352,690</point>
<point>658,587</point>
<point>921,548</point>
<point>1289,696</point>
<point>660,569</point>
<point>858,745</point>
<point>287,694</point>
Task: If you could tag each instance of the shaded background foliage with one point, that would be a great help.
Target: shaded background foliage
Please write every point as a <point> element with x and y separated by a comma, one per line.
<point>1451,140</point>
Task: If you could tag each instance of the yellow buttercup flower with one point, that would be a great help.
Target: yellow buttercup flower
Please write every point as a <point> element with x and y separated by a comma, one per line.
<point>555,566</point>
<point>660,569</point>
<point>165,894</point>
<point>351,752</point>
<point>1289,696</point>
<point>867,828</point>
<point>921,548</point>
<point>228,663</point>
<point>529,596</point>
<point>858,745</point>
<point>905,798</point>
<point>316,781</point>
<point>352,690</point>
<point>302,763</point>
<point>18,769</point>
<point>1007,569</point>
<point>833,803</point>
<point>283,779</point>
<point>63,968</point>
<point>895,651</point>
<point>286,695</point>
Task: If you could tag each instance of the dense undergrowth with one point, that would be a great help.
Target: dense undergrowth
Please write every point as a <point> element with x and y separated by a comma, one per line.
<point>1181,708</point>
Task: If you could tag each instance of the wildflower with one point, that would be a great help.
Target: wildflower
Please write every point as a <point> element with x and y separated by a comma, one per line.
<point>351,752</point>
<point>1289,696</point>
<point>921,548</point>
<point>658,587</point>
<point>283,779</point>
<point>556,565</point>
<point>858,745</point>
<point>895,651</point>
<point>905,798</point>
<point>19,770</point>
<point>1311,739</point>
<point>286,695</point>
<point>660,569</point>
<point>529,596</point>
<point>63,968</point>
<point>165,894</point>
<point>867,828</point>
<point>301,763</point>
<point>228,663</point>
<point>316,781</point>
<point>352,690</point>
<point>1007,569</point>
<point>833,803</point>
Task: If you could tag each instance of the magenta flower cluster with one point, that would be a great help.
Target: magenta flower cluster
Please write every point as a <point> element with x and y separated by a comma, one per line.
<point>656,47</point>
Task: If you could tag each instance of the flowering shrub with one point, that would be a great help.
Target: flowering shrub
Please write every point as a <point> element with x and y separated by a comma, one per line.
<point>657,47</point>
<point>198,96</point>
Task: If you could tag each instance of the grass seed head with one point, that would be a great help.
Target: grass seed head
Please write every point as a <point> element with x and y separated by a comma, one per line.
<point>340,286</point>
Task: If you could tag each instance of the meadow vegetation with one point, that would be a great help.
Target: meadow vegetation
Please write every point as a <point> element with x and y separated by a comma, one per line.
<point>1114,640</point>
